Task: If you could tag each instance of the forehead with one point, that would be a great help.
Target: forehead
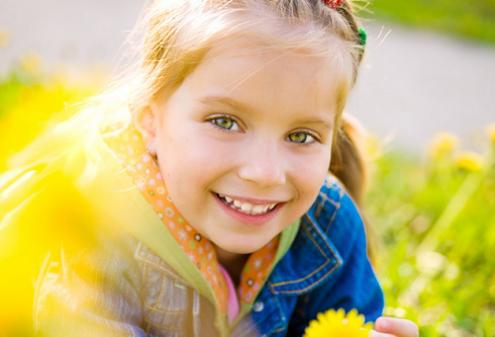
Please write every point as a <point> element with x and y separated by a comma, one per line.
<point>264,73</point>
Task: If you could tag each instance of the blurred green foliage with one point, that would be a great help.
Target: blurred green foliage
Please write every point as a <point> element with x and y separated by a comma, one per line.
<point>29,103</point>
<point>436,226</point>
<point>471,19</point>
<point>434,217</point>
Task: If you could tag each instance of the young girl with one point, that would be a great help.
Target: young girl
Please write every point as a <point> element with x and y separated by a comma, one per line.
<point>198,189</point>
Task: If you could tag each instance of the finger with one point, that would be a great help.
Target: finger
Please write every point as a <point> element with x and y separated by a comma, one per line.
<point>397,326</point>
<point>374,333</point>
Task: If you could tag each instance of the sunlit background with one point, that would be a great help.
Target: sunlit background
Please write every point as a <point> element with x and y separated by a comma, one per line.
<point>425,94</point>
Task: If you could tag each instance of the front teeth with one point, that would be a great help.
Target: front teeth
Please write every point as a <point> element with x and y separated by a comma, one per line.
<point>246,207</point>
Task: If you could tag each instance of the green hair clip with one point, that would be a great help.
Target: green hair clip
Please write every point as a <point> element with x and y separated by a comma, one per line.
<point>362,36</point>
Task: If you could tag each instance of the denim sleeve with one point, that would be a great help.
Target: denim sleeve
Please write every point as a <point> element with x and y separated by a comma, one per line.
<point>354,284</point>
<point>95,293</point>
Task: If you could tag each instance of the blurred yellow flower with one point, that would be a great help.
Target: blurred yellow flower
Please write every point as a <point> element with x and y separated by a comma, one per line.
<point>491,132</point>
<point>337,324</point>
<point>4,38</point>
<point>31,63</point>
<point>469,161</point>
<point>443,144</point>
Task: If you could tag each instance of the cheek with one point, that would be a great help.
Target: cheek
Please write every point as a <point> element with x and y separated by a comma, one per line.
<point>310,175</point>
<point>192,162</point>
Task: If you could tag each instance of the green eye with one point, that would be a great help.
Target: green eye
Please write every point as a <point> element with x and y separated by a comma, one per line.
<point>302,137</point>
<point>224,122</point>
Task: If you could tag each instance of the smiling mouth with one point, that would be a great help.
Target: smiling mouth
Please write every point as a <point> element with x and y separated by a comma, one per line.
<point>246,207</point>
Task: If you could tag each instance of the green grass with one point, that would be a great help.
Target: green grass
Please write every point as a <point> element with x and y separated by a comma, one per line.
<point>469,19</point>
<point>437,232</point>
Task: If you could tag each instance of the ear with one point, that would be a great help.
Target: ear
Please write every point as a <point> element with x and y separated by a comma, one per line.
<point>145,121</point>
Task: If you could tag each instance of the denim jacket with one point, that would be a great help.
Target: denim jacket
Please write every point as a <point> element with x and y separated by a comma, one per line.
<point>136,294</point>
<point>326,267</point>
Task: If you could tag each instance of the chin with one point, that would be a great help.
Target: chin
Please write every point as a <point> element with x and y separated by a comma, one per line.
<point>241,246</point>
<point>244,249</point>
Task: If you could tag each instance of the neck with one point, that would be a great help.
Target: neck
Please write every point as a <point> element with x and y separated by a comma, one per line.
<point>232,262</point>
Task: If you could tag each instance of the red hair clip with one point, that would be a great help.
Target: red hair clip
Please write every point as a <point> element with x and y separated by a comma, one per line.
<point>333,3</point>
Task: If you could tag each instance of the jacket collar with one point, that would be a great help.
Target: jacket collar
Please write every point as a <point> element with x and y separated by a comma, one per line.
<point>311,259</point>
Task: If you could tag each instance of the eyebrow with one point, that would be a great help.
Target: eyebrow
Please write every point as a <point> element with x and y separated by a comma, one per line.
<point>244,107</point>
<point>318,121</point>
<point>226,100</point>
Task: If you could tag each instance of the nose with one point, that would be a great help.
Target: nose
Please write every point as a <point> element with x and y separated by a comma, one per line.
<point>263,165</point>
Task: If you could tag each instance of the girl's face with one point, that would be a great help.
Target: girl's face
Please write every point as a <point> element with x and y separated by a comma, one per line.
<point>250,128</point>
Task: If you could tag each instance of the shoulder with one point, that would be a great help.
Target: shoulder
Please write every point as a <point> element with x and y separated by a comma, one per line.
<point>337,215</point>
<point>329,232</point>
<point>347,280</point>
<point>96,288</point>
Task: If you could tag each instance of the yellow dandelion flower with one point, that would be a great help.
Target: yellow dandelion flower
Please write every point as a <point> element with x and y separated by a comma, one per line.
<point>337,324</point>
<point>31,63</point>
<point>469,161</point>
<point>491,132</point>
<point>443,144</point>
<point>4,38</point>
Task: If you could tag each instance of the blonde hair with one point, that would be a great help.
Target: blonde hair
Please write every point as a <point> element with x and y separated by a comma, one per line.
<point>175,35</point>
